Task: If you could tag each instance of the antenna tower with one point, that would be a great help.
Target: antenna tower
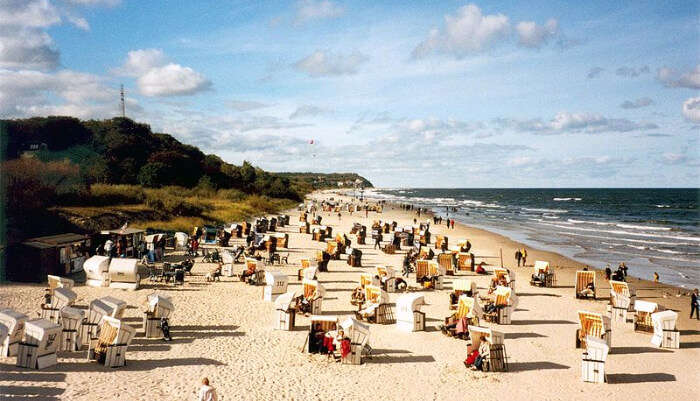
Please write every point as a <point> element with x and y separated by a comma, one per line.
<point>121,93</point>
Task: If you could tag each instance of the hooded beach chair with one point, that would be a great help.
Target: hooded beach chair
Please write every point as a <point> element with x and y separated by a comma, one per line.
<point>275,285</point>
<point>465,261</point>
<point>583,278</point>
<point>595,325</point>
<point>460,287</point>
<point>368,279</point>
<point>157,308</point>
<point>376,307</point>
<point>320,325</point>
<point>467,308</point>
<point>258,276</point>
<point>543,274</point>
<point>97,271</point>
<point>621,300</point>
<point>14,322</point>
<point>313,294</point>
<point>440,241</point>
<point>665,333</point>
<point>408,314</point>
<point>358,333</point>
<point>71,320</point>
<point>105,306</point>
<point>593,360</point>
<point>387,277</point>
<point>112,342</point>
<point>505,301</point>
<point>642,316</point>
<point>446,261</point>
<point>333,249</point>
<point>505,274</point>
<point>59,298</point>
<point>286,314</point>
<point>496,360</point>
<point>40,341</point>
<point>58,282</point>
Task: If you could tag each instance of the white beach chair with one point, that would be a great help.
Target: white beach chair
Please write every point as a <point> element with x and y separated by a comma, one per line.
<point>408,314</point>
<point>59,282</point>
<point>39,344</point>
<point>642,317</point>
<point>621,300</point>
<point>275,285</point>
<point>286,314</point>
<point>97,271</point>
<point>543,274</point>
<point>227,262</point>
<point>376,307</point>
<point>124,274</point>
<point>593,360</point>
<point>158,307</point>
<point>506,301</point>
<point>71,320</point>
<point>593,324</point>
<point>14,322</point>
<point>496,360</point>
<point>314,293</point>
<point>665,333</point>
<point>61,297</point>
<point>111,345</point>
<point>359,336</point>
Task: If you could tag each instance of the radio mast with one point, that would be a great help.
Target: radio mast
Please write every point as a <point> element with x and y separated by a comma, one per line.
<point>121,93</point>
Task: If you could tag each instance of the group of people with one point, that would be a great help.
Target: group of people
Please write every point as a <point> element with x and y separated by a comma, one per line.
<point>619,275</point>
<point>327,342</point>
<point>521,256</point>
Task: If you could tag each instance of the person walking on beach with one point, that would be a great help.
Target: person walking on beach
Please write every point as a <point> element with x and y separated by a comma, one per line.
<point>524,256</point>
<point>694,304</point>
<point>339,216</point>
<point>453,224</point>
<point>656,277</point>
<point>608,272</point>
<point>207,392</point>
<point>518,256</point>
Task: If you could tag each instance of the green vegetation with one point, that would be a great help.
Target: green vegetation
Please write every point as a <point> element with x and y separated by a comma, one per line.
<point>59,171</point>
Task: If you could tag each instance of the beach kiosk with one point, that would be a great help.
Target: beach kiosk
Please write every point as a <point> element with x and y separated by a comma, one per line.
<point>39,344</point>
<point>275,284</point>
<point>14,322</point>
<point>131,237</point>
<point>58,255</point>
<point>408,315</point>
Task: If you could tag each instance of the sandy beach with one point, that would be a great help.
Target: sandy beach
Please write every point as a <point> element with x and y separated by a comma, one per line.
<point>224,331</point>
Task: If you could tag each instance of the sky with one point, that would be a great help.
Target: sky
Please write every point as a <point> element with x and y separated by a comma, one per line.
<point>405,93</point>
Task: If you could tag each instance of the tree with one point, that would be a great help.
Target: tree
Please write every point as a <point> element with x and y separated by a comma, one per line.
<point>153,174</point>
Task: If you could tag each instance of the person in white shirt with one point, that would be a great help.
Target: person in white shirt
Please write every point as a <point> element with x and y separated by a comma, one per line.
<point>207,392</point>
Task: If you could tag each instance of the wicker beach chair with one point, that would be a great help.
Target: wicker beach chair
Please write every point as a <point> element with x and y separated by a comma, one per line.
<point>408,314</point>
<point>110,346</point>
<point>543,275</point>
<point>642,316</point>
<point>459,288</point>
<point>594,325</point>
<point>313,293</point>
<point>465,261</point>
<point>447,262</point>
<point>497,359</point>
<point>376,308</point>
<point>583,278</point>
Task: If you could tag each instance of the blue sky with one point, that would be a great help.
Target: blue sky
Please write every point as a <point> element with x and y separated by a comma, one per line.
<point>436,94</point>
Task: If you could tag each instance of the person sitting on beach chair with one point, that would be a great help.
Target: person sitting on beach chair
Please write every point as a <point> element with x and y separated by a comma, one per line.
<point>304,303</point>
<point>589,291</point>
<point>480,269</point>
<point>484,350</point>
<point>316,337</point>
<point>214,275</point>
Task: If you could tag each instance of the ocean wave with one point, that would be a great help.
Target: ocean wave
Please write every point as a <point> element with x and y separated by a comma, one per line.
<point>545,210</point>
<point>549,216</point>
<point>599,223</point>
<point>634,227</point>
<point>645,241</point>
<point>565,199</point>
<point>621,232</point>
<point>663,206</point>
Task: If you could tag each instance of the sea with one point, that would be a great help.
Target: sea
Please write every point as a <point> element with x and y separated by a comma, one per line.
<point>651,230</point>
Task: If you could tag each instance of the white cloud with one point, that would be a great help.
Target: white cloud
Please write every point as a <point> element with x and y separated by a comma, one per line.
<point>109,3</point>
<point>156,77</point>
<point>637,104</point>
<point>566,122</point>
<point>673,79</point>
<point>307,111</point>
<point>469,31</point>
<point>27,48</point>
<point>323,63</point>
<point>246,105</point>
<point>594,72</point>
<point>691,109</point>
<point>532,35</point>
<point>79,22</point>
<point>308,10</point>
<point>29,13</point>
<point>632,72</point>
<point>32,93</point>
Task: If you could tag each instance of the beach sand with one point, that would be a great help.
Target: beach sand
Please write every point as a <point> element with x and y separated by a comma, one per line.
<point>224,331</point>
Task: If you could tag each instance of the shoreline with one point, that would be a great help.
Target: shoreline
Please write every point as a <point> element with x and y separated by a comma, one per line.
<point>570,250</point>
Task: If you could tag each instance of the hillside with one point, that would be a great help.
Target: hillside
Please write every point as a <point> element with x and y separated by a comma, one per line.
<point>63,174</point>
<point>324,181</point>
